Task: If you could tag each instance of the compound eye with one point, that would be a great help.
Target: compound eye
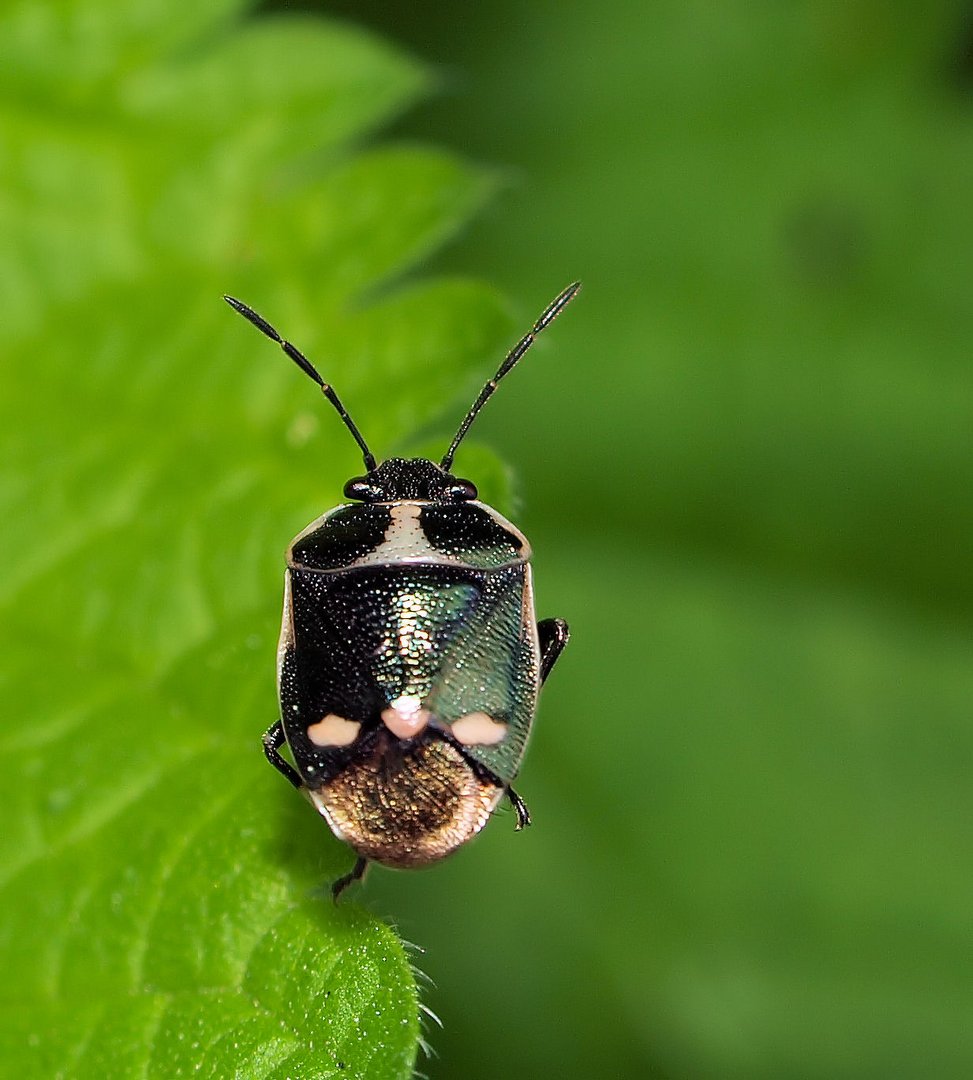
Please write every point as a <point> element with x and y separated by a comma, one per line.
<point>461,491</point>
<point>360,487</point>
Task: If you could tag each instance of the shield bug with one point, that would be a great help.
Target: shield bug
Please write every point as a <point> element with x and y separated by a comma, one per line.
<point>410,657</point>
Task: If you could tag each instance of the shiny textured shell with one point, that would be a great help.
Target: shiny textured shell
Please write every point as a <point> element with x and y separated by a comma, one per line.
<point>408,671</point>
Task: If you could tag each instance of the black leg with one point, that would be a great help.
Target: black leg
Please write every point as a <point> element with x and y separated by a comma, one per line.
<point>553,634</point>
<point>483,773</point>
<point>357,873</point>
<point>273,739</point>
<point>520,808</point>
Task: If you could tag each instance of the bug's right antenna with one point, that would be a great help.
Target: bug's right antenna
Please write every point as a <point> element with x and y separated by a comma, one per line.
<point>309,369</point>
<point>551,312</point>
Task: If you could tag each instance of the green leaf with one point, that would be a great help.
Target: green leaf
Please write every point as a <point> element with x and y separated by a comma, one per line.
<point>163,896</point>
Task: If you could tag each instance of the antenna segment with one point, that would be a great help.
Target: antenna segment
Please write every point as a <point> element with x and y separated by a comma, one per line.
<point>551,312</point>
<point>309,369</point>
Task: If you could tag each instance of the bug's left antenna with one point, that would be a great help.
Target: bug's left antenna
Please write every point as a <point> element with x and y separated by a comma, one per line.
<point>309,369</point>
<point>551,312</point>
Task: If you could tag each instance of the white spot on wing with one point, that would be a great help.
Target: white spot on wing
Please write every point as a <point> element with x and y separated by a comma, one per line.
<point>334,730</point>
<point>478,729</point>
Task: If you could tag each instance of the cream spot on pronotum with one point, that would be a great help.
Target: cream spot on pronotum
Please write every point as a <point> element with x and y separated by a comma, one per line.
<point>405,717</point>
<point>478,729</point>
<point>334,730</point>
<point>404,540</point>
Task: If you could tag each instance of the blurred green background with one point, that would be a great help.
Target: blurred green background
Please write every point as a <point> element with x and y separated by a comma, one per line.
<point>744,458</point>
<point>746,463</point>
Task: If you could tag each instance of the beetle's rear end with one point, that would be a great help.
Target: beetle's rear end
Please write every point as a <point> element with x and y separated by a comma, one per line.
<point>407,804</point>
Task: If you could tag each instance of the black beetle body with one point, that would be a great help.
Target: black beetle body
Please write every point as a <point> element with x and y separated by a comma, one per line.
<point>410,657</point>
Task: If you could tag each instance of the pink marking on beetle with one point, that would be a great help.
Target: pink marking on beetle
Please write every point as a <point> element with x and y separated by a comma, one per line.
<point>478,729</point>
<point>405,717</point>
<point>334,730</point>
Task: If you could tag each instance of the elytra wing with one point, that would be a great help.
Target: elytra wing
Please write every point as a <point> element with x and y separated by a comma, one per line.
<point>455,637</point>
<point>491,666</point>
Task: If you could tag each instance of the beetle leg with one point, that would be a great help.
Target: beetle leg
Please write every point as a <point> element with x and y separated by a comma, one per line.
<point>483,773</point>
<point>520,808</point>
<point>553,635</point>
<point>356,874</point>
<point>273,739</point>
